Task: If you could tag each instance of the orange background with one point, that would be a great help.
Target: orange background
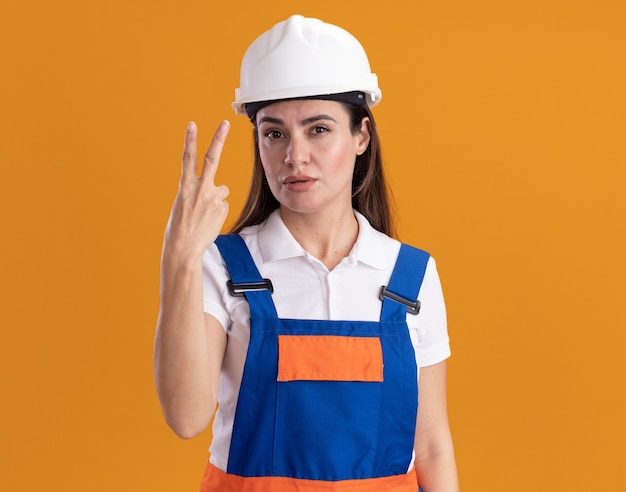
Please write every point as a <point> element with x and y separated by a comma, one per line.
<point>503,127</point>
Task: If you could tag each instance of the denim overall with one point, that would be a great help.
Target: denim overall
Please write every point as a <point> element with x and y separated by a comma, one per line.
<point>338,420</point>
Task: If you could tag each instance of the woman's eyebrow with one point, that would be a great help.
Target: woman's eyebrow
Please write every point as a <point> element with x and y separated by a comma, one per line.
<point>269,119</point>
<point>306,121</point>
<point>318,117</point>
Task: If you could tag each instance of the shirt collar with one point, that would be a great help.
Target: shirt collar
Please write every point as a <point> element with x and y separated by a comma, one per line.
<point>275,240</point>
<point>371,245</point>
<point>277,243</point>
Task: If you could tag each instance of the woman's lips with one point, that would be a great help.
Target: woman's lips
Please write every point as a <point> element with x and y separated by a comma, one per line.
<point>298,183</point>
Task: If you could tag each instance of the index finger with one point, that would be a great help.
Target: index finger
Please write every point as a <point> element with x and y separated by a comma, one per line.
<point>190,159</point>
<point>212,157</point>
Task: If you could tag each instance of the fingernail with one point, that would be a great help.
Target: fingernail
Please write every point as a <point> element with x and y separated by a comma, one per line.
<point>191,126</point>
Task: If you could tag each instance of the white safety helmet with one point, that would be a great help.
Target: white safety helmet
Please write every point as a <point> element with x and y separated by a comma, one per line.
<point>304,57</point>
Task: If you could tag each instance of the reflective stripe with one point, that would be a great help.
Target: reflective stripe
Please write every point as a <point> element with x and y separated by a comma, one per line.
<point>215,480</point>
<point>329,358</point>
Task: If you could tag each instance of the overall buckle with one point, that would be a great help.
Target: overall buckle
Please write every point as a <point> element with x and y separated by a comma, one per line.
<point>238,290</point>
<point>413,307</point>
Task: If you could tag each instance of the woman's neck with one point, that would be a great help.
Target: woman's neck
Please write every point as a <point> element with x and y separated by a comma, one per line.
<point>329,238</point>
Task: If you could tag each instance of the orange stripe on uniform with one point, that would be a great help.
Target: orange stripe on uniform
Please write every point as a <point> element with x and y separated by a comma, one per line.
<point>329,358</point>
<point>215,480</point>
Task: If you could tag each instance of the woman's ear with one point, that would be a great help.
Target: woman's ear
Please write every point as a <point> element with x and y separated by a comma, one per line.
<point>363,135</point>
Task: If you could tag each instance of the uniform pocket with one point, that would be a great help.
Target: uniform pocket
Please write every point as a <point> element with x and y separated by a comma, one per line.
<point>329,358</point>
<point>328,406</point>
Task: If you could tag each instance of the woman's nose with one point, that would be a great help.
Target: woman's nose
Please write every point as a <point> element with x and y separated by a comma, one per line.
<point>297,151</point>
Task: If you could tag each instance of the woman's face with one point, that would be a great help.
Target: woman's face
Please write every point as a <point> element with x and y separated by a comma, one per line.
<point>308,153</point>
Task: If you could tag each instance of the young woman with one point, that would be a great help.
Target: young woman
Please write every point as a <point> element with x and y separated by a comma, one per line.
<point>304,325</point>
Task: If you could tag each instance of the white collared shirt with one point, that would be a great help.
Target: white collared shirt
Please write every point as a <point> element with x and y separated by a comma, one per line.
<point>305,289</point>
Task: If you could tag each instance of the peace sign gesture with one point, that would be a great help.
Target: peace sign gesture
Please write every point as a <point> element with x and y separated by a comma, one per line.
<point>200,207</point>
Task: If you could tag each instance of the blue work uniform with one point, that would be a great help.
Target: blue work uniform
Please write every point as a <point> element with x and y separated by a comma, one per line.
<point>323,404</point>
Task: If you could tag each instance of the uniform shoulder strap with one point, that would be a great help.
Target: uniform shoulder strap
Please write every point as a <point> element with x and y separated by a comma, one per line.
<point>400,296</point>
<point>245,279</point>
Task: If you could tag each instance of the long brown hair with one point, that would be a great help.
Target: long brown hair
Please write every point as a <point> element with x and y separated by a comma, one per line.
<point>370,193</point>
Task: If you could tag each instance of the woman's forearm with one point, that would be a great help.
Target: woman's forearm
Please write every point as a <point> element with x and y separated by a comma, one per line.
<point>438,473</point>
<point>188,352</point>
<point>435,463</point>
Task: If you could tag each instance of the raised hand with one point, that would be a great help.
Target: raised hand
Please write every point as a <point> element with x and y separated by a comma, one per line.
<point>200,207</point>
<point>189,344</point>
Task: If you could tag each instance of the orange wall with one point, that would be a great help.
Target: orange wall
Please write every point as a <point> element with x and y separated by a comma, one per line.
<point>504,130</point>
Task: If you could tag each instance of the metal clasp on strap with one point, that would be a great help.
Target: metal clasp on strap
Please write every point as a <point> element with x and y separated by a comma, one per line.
<point>413,307</point>
<point>238,290</point>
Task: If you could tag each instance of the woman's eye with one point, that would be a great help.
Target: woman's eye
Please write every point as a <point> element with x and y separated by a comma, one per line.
<point>273,134</point>
<point>320,129</point>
